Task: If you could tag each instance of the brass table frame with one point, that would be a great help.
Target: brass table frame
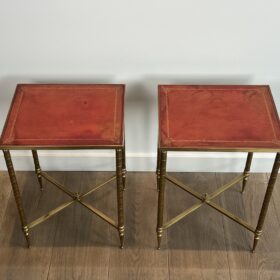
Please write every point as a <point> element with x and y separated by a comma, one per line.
<point>206,198</point>
<point>75,197</point>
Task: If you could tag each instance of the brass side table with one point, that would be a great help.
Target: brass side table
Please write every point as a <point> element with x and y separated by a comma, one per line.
<point>220,119</point>
<point>58,116</point>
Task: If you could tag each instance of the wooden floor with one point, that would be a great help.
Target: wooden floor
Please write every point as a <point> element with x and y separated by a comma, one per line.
<point>76,244</point>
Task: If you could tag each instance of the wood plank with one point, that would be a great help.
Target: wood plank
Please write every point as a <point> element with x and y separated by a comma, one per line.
<point>265,262</point>
<point>139,259</point>
<point>196,244</point>
<point>82,243</point>
<point>18,262</point>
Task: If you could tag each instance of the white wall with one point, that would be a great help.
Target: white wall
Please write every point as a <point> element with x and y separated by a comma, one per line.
<point>140,43</point>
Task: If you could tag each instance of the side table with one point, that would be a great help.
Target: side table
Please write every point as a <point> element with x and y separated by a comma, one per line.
<point>220,118</point>
<point>65,116</point>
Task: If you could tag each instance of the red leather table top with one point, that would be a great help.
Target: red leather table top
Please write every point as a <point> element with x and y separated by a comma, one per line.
<point>65,115</point>
<point>218,118</point>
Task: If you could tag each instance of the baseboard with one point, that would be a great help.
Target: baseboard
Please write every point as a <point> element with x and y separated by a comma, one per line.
<point>105,161</point>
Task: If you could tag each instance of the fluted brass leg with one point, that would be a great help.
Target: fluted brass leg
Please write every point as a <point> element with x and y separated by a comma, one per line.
<point>247,170</point>
<point>163,157</point>
<point>37,168</point>
<point>119,153</point>
<point>158,168</point>
<point>123,168</point>
<point>16,192</point>
<point>270,186</point>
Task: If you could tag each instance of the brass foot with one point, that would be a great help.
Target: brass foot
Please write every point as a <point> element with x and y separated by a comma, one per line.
<point>258,234</point>
<point>26,234</point>
<point>159,236</point>
<point>159,242</point>
<point>121,234</point>
<point>121,241</point>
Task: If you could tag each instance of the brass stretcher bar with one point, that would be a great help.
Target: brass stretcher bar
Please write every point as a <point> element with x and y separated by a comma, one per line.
<point>206,199</point>
<point>76,197</point>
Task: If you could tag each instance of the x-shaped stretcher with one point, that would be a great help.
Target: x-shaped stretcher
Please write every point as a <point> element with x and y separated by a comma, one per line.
<point>206,199</point>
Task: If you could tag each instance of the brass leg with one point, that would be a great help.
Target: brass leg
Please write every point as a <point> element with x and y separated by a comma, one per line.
<point>270,186</point>
<point>37,168</point>
<point>247,170</point>
<point>158,168</point>
<point>123,168</point>
<point>163,157</point>
<point>19,204</point>
<point>119,153</point>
